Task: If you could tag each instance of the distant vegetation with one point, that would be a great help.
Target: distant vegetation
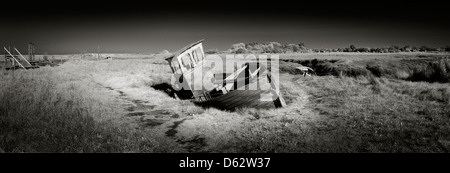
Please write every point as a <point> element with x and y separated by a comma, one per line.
<point>430,70</point>
<point>387,49</point>
<point>271,47</point>
<point>275,47</point>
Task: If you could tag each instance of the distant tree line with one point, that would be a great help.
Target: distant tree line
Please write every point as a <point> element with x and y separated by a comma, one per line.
<point>275,47</point>
<point>255,47</point>
<point>270,47</point>
<point>387,49</point>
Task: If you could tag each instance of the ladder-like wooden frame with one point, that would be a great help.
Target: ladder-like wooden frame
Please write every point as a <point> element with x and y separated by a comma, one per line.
<point>22,57</point>
<point>12,56</point>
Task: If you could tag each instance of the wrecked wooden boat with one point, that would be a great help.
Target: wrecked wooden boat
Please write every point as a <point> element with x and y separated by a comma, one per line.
<point>251,85</point>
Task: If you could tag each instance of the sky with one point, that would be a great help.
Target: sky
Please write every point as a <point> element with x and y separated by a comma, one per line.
<point>132,27</point>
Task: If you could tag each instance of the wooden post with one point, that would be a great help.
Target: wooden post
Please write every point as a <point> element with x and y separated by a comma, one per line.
<point>98,52</point>
<point>14,56</point>
<point>6,59</point>
<point>30,52</point>
<point>9,63</point>
<point>33,52</point>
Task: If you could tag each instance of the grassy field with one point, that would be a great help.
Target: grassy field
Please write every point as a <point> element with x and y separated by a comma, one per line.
<point>357,103</point>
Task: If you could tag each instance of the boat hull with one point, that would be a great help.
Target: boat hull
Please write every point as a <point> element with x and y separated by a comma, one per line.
<point>263,95</point>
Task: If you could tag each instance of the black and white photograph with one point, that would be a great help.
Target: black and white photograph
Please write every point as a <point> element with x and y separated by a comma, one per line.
<point>225,77</point>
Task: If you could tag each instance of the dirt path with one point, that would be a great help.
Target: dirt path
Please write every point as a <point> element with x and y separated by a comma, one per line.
<point>201,133</point>
<point>302,106</point>
<point>148,116</point>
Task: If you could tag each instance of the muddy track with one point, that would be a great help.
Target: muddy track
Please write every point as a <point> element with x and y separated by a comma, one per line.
<point>147,116</point>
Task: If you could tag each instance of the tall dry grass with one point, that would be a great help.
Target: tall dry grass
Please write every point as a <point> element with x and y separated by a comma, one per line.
<point>384,115</point>
<point>61,109</point>
<point>434,69</point>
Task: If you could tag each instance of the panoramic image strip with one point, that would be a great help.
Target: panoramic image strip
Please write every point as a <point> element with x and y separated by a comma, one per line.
<point>236,78</point>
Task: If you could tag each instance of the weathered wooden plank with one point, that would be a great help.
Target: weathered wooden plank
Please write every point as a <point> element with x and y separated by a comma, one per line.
<point>227,96</point>
<point>245,103</point>
<point>244,100</point>
<point>14,58</point>
<point>238,94</point>
<point>222,103</point>
<point>255,104</point>
<point>22,57</point>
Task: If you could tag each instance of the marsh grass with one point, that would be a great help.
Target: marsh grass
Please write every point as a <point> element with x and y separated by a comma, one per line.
<point>38,119</point>
<point>80,107</point>
<point>61,109</point>
<point>435,71</point>
<point>352,111</point>
<point>349,115</point>
<point>429,69</point>
<point>397,116</point>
